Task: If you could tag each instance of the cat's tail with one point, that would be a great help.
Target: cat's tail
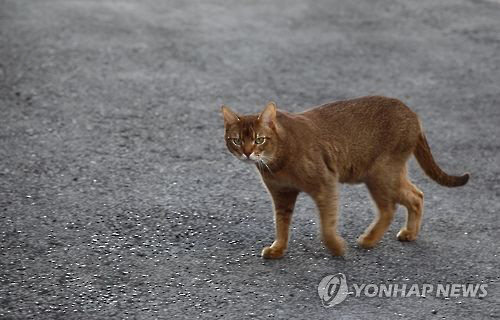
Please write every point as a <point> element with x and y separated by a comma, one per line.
<point>424,157</point>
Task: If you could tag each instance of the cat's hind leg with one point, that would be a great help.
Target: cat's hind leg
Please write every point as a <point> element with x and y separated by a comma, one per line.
<point>284,203</point>
<point>385,181</point>
<point>413,199</point>
<point>382,193</point>
<point>388,184</point>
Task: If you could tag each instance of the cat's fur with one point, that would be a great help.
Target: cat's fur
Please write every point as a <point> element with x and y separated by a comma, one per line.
<point>365,140</point>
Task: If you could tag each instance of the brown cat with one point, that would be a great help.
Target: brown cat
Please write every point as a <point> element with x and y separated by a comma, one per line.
<point>365,140</point>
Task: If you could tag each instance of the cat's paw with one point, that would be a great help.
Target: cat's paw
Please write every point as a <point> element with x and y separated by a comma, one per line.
<point>367,242</point>
<point>405,235</point>
<point>272,253</point>
<point>335,244</point>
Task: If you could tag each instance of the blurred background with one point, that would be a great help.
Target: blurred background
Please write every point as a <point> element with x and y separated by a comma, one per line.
<point>119,200</point>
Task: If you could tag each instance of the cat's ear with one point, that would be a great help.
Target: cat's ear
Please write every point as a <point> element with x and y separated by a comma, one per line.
<point>268,115</point>
<point>229,115</point>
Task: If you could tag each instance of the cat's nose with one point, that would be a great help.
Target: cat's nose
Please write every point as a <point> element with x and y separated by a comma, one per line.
<point>247,153</point>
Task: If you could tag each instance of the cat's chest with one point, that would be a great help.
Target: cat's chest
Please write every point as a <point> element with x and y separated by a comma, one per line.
<point>283,180</point>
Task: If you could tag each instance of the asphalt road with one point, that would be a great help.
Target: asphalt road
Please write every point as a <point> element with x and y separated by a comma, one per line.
<point>118,199</point>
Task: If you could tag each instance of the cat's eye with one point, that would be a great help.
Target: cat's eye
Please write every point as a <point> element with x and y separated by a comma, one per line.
<point>260,140</point>
<point>236,141</point>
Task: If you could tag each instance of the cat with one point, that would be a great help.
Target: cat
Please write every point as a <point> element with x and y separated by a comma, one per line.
<point>365,140</point>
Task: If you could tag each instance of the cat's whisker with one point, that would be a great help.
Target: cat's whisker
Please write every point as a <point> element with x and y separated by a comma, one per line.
<point>267,159</point>
<point>264,163</point>
<point>259,165</point>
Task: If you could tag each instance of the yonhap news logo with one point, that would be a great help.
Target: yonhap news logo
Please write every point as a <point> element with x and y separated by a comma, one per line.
<point>333,289</point>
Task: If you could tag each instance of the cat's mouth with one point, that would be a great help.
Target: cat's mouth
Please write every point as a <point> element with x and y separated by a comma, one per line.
<point>257,159</point>
<point>248,160</point>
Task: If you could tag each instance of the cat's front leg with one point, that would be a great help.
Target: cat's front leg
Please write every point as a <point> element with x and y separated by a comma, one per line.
<point>284,202</point>
<point>326,199</point>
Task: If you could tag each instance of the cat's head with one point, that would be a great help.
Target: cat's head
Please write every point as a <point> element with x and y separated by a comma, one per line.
<point>252,138</point>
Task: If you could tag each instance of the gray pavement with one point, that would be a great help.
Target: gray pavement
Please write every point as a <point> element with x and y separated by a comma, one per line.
<point>118,199</point>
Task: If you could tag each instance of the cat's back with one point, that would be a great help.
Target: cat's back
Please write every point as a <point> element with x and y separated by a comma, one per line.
<point>362,129</point>
<point>371,113</point>
<point>363,107</point>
